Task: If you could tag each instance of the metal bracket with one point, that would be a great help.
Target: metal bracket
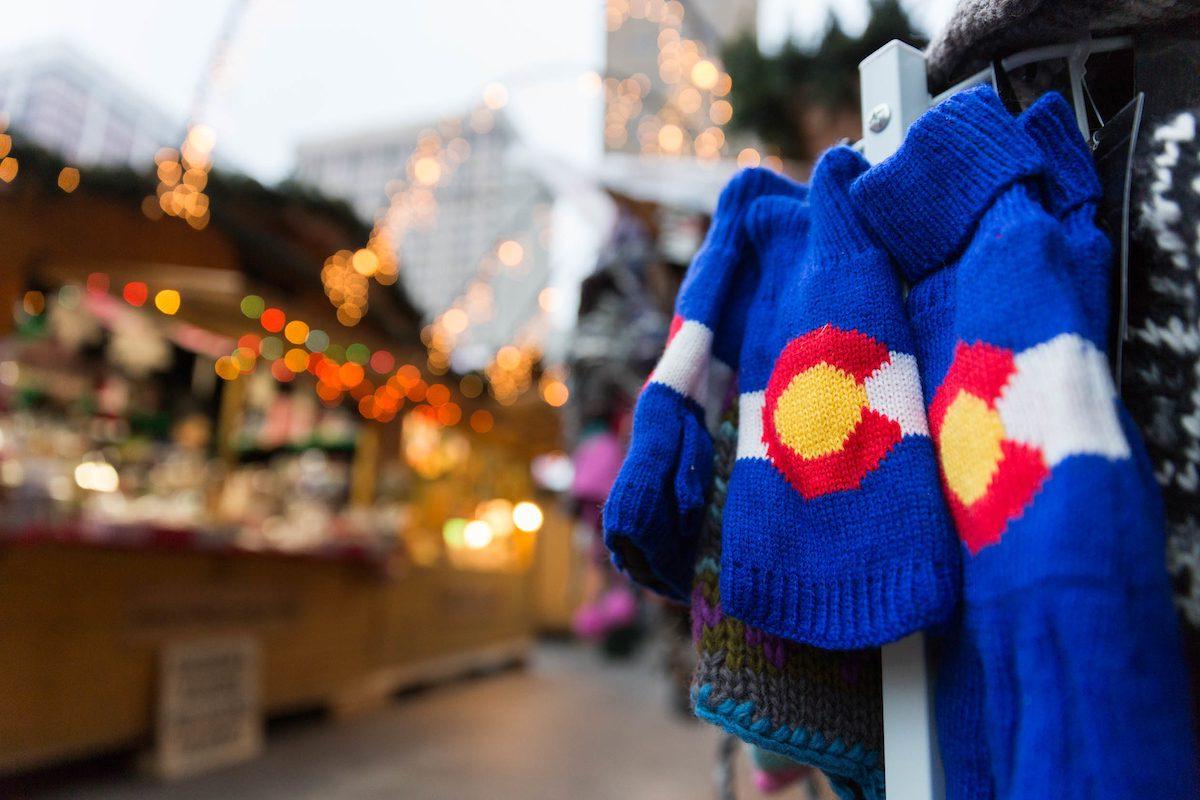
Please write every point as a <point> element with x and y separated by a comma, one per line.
<point>894,92</point>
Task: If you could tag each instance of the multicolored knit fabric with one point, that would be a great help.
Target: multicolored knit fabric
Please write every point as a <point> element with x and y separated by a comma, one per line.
<point>818,707</point>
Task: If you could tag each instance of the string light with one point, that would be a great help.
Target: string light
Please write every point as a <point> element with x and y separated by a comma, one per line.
<point>68,179</point>
<point>693,83</point>
<point>167,301</point>
<point>527,516</point>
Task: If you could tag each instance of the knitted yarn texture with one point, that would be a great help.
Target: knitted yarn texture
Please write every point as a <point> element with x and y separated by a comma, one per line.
<point>821,708</point>
<point>981,30</point>
<point>1065,597</point>
<point>836,533</point>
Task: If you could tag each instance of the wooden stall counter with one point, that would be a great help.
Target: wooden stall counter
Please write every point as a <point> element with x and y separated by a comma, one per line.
<point>83,628</point>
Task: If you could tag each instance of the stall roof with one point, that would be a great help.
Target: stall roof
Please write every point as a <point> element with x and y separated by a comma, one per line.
<point>277,238</point>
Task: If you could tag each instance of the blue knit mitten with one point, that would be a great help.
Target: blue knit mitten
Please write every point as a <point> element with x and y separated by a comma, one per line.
<point>834,448</point>
<point>1065,593</point>
<point>652,516</point>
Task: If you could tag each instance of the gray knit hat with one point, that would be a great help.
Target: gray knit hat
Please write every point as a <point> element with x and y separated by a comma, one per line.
<point>981,30</point>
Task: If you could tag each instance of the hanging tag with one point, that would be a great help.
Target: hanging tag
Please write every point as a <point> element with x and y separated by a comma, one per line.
<point>1113,149</point>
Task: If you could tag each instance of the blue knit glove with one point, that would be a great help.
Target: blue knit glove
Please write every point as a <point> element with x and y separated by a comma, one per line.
<point>833,443</point>
<point>653,513</point>
<point>1066,599</point>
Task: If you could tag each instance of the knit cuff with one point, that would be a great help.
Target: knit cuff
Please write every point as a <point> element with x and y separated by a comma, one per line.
<point>924,201</point>
<point>1071,179</point>
<point>877,605</point>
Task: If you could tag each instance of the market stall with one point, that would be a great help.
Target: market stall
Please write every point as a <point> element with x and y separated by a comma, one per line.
<point>187,455</point>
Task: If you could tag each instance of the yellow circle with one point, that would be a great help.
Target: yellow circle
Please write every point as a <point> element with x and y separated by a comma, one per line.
<point>819,410</point>
<point>969,446</point>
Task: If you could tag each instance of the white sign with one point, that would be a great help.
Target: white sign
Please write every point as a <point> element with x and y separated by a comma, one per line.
<point>208,705</point>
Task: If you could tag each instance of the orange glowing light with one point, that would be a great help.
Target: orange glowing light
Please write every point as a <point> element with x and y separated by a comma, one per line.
<point>250,341</point>
<point>416,392</point>
<point>437,395</point>
<point>296,359</point>
<point>449,414</point>
<point>455,320</point>
<point>549,299</point>
<point>555,393</point>
<point>748,157</point>
<point>365,262</point>
<point>670,138</point>
<point>720,112</point>
<point>482,421</point>
<point>427,171</point>
<point>408,375</point>
<point>350,374</point>
<point>167,301</point>
<point>705,74</point>
<point>272,319</point>
<point>508,357</point>
<point>296,331</point>
<point>68,179</point>
<point>226,369</point>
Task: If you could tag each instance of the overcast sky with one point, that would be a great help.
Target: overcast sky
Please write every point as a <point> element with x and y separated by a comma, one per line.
<point>308,68</point>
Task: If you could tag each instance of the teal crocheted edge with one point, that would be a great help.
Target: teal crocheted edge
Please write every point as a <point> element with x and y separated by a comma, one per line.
<point>807,747</point>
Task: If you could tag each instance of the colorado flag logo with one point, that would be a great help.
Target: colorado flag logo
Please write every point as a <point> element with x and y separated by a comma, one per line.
<point>836,404</point>
<point>1003,420</point>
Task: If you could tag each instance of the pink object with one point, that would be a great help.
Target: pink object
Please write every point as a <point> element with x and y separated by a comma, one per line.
<point>771,782</point>
<point>588,622</point>
<point>618,606</point>
<point>597,460</point>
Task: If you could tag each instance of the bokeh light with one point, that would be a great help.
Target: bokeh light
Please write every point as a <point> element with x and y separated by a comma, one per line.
<point>272,319</point>
<point>252,306</point>
<point>527,516</point>
<point>135,293</point>
<point>167,301</point>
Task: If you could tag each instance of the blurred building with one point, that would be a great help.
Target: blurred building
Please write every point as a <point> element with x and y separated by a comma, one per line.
<point>497,193</point>
<point>61,100</point>
<point>634,47</point>
<point>647,41</point>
